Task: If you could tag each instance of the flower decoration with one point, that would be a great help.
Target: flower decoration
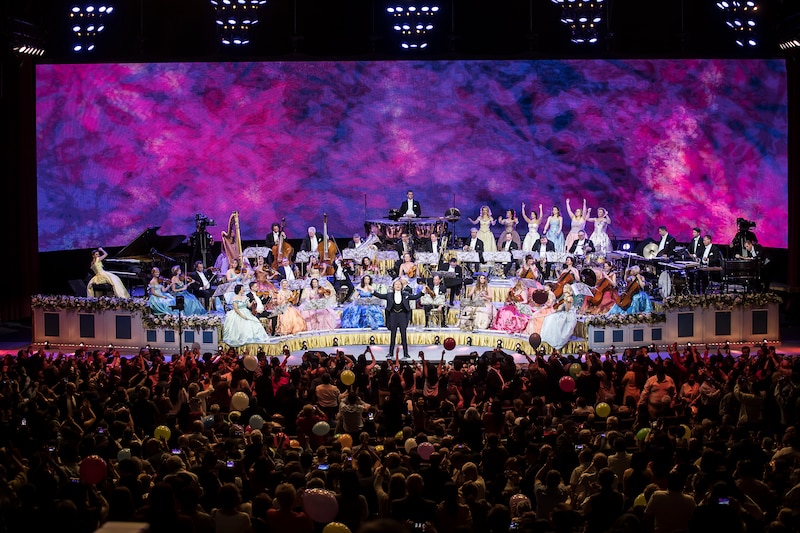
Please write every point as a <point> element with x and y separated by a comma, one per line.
<point>76,303</point>
<point>722,301</point>
<point>602,321</point>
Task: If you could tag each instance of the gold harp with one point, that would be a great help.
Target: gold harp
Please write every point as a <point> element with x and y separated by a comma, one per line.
<point>232,239</point>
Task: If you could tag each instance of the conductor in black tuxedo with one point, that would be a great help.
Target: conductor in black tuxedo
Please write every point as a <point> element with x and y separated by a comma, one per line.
<point>410,207</point>
<point>509,246</point>
<point>398,314</point>
<point>545,267</point>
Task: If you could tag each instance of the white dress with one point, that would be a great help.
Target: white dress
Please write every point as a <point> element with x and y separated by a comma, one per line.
<point>532,237</point>
<point>599,237</point>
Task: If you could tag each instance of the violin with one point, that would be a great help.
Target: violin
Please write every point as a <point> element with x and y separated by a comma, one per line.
<point>626,299</point>
<point>565,278</point>
<point>281,248</point>
<point>323,292</point>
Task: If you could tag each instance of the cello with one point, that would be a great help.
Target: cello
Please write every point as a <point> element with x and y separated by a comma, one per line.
<point>626,299</point>
<point>281,248</point>
<point>600,289</point>
<point>327,250</point>
<point>566,277</point>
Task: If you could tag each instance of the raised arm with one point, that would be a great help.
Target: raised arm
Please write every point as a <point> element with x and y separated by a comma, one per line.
<point>102,255</point>
<point>569,210</point>
<point>372,363</point>
<point>524,216</point>
<point>585,212</point>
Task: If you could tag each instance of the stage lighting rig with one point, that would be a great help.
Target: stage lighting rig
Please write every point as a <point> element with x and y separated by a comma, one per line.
<point>413,22</point>
<point>235,20</point>
<point>584,19</point>
<point>740,16</point>
<point>87,23</point>
<point>25,38</point>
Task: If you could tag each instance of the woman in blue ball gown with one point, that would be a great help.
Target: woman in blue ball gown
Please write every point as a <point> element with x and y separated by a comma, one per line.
<point>361,313</point>
<point>241,327</point>
<point>553,229</point>
<point>641,302</point>
<point>160,301</point>
<point>191,305</point>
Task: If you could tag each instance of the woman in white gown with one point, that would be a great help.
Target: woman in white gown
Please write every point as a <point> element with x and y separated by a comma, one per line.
<point>532,238</point>
<point>241,327</point>
<point>102,277</point>
<point>557,328</point>
<point>578,218</point>
<point>485,222</point>
<point>599,237</point>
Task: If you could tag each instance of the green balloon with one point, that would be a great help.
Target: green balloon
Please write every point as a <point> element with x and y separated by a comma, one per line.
<point>643,433</point>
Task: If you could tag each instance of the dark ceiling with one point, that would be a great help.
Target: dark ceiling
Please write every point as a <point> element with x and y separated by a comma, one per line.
<point>166,30</point>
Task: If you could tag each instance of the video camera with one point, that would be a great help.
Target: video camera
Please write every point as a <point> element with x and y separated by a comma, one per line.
<point>744,224</point>
<point>202,221</point>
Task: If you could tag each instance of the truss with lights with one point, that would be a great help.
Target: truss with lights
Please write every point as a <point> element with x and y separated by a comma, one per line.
<point>413,22</point>
<point>740,16</point>
<point>235,20</point>
<point>87,23</point>
<point>584,19</point>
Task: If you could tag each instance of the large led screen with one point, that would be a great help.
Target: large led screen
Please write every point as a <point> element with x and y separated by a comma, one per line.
<point>125,147</point>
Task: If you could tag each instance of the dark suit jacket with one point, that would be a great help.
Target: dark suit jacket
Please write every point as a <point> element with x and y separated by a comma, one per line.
<point>478,244</point>
<point>550,247</point>
<point>589,247</point>
<point>305,246</point>
<point>757,251</point>
<point>669,245</point>
<point>271,241</point>
<point>198,284</point>
<point>404,207</point>
<point>449,282</point>
<point>282,272</point>
<point>428,247</point>
<point>352,244</point>
<point>399,248</point>
<point>714,255</point>
<point>695,247</point>
<point>389,297</point>
<point>502,247</point>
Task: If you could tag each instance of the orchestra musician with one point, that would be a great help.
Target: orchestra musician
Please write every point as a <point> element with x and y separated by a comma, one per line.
<point>410,207</point>
<point>180,284</point>
<point>453,282</point>
<point>528,270</point>
<point>272,239</point>
<point>666,243</point>
<point>310,241</point>
<point>355,242</point>
<point>545,267</point>
<point>433,245</point>
<point>434,298</point>
<point>367,267</point>
<point>695,246</point>
<point>287,271</point>
<point>751,250</point>
<point>403,246</point>
<point>581,246</point>
<point>475,245</point>
<point>203,286</point>
<point>408,267</point>
<point>711,257</point>
<point>508,245</point>
<point>341,278</point>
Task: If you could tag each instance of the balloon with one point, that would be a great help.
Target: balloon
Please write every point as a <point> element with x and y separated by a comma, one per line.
<point>425,450</point>
<point>535,339</point>
<point>517,500</point>
<point>124,453</point>
<point>567,384</point>
<point>294,443</point>
<point>686,431</point>
<point>602,409</point>
<point>449,343</point>
<point>379,448</point>
<point>250,363</point>
<point>240,401</point>
<point>347,377</point>
<point>234,416</point>
<point>162,432</point>
<point>93,470</point>
<point>336,527</point>
<point>399,434</point>
<point>643,433</point>
<point>321,428</point>
<point>410,444</point>
<point>256,422</point>
<point>640,501</point>
<point>346,440</point>
<point>320,505</point>
<point>208,421</point>
<point>574,370</point>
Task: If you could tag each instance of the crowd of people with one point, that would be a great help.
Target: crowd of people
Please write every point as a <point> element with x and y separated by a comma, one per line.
<point>683,440</point>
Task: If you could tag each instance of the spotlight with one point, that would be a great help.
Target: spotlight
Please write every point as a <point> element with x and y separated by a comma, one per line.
<point>336,341</point>
<point>82,345</point>
<point>371,340</point>
<point>627,246</point>
<point>46,345</point>
<point>412,22</point>
<point>499,344</point>
<point>285,348</point>
<point>87,23</point>
<point>235,20</point>
<point>148,347</point>
<point>26,39</point>
<point>584,19</point>
<point>305,346</point>
<point>469,341</point>
<point>436,340</point>
<point>740,16</point>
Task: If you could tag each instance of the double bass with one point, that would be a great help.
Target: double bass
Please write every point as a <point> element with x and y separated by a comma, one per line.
<point>281,248</point>
<point>327,250</point>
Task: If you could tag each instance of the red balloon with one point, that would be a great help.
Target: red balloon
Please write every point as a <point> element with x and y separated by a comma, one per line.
<point>449,343</point>
<point>567,384</point>
<point>535,339</point>
<point>93,470</point>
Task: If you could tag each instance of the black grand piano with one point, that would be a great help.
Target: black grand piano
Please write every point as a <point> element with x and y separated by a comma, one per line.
<point>134,262</point>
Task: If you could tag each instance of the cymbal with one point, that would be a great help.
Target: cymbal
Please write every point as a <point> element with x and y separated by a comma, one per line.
<point>650,250</point>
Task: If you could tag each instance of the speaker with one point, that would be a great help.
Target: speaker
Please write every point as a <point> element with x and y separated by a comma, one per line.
<point>465,359</point>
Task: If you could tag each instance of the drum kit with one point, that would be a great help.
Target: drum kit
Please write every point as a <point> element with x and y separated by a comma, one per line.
<point>390,229</point>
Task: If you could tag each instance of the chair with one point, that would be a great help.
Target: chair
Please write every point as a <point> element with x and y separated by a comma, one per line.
<point>103,289</point>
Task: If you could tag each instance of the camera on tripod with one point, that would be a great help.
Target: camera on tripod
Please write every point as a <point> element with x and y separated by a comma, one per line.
<point>202,221</point>
<point>744,224</point>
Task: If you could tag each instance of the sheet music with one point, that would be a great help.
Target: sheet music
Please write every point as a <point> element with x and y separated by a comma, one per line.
<point>252,252</point>
<point>499,257</point>
<point>427,258</point>
<point>467,257</point>
<point>305,257</point>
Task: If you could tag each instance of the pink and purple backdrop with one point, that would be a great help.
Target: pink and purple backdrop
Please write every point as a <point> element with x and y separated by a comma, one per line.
<point>122,147</point>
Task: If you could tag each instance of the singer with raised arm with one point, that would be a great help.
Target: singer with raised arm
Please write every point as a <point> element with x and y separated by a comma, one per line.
<point>398,313</point>
<point>410,208</point>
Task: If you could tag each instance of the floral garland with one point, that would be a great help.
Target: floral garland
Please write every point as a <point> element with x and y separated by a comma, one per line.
<point>195,322</point>
<point>76,303</point>
<point>602,321</point>
<point>722,301</point>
